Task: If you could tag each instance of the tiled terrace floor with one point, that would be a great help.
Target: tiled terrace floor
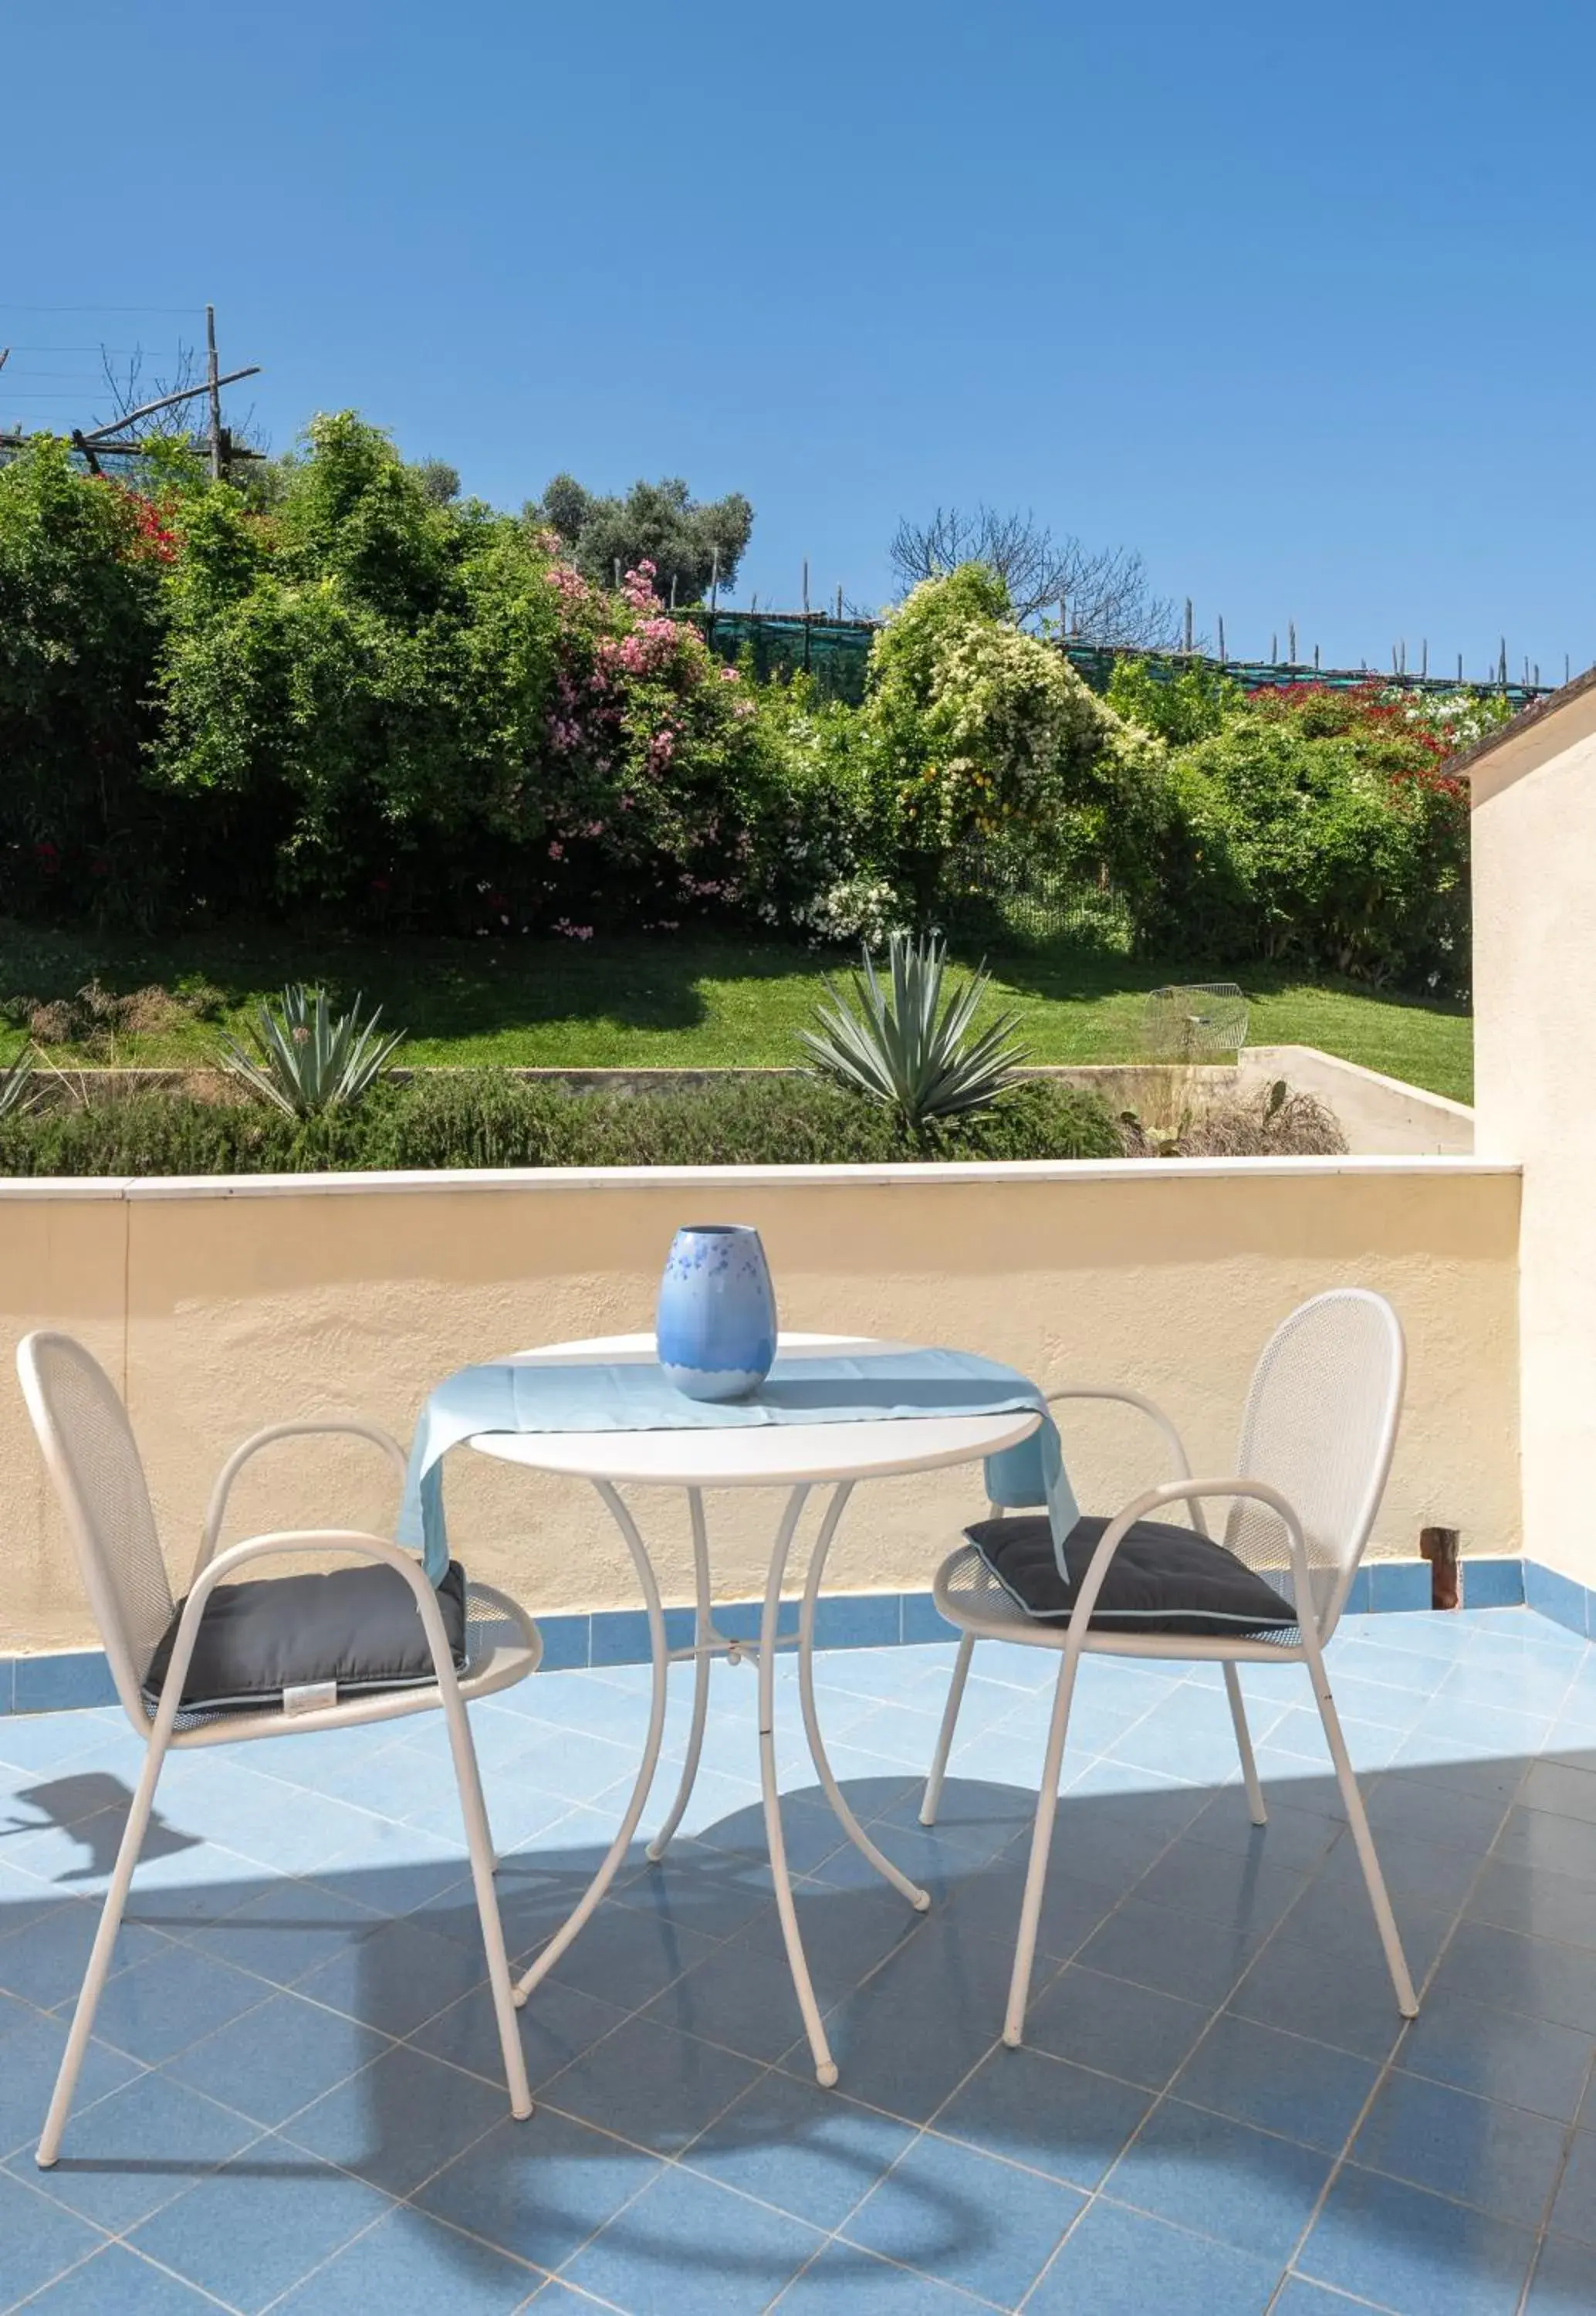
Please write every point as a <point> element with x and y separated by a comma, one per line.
<point>293,2099</point>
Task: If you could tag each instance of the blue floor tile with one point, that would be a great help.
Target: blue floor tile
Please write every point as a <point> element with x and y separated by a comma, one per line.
<point>1156,1946</point>
<point>40,2240</point>
<point>538,2189</point>
<point>1524,2062</point>
<point>1301,2299</point>
<point>1117,2028</point>
<point>28,2070</point>
<point>1499,2157</point>
<point>276,2060</point>
<point>843,2276</point>
<point>118,2283</point>
<point>1210,2015</point>
<point>399,2120</point>
<point>410,2261</point>
<point>1564,2280</point>
<point>685,2243</point>
<point>965,2219</point>
<point>1119,2263</point>
<point>1414,2253</point>
<point>1246,2187</point>
<point>557,2026</point>
<point>1325,1993</point>
<point>259,2225</point>
<point>1514,1973</point>
<point>1278,2081</point>
<point>1574,2212</point>
<point>162,2005</point>
<point>808,2152</point>
<point>653,2087</point>
<point>285,1931</point>
<point>1057,2118</point>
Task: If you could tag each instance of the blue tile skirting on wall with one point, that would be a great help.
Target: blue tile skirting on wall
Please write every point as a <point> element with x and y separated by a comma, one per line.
<point>846,1620</point>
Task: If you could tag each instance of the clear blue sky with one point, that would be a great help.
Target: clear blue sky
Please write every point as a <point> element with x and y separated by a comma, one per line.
<point>1299,301</point>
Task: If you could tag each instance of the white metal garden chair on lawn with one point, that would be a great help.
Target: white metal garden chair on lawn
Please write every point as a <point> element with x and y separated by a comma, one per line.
<point>1315,1447</point>
<point>93,1461</point>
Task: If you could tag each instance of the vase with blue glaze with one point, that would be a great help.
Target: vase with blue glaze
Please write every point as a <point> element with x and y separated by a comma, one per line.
<point>715,1326</point>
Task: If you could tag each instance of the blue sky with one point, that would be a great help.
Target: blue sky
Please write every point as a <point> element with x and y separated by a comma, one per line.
<point>1300,302</point>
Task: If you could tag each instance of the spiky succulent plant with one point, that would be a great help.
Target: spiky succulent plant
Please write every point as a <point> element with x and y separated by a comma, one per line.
<point>905,1045</point>
<point>308,1059</point>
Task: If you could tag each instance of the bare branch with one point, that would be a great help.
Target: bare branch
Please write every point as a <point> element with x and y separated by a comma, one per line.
<point>1106,588</point>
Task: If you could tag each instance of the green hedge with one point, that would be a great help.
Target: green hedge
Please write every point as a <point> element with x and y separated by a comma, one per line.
<point>485,1118</point>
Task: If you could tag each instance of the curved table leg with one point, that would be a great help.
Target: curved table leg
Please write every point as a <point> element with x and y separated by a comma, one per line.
<point>802,1985</point>
<point>618,1848</point>
<point>920,1900</point>
<point>703,1640</point>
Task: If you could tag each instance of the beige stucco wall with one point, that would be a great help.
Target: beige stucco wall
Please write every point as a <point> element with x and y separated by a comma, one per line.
<point>1534,845</point>
<point>219,1308</point>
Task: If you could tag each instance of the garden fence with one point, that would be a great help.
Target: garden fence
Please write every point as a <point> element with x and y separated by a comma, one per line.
<point>836,653</point>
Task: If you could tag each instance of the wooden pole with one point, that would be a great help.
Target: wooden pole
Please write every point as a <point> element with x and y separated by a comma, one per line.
<point>839,606</point>
<point>1424,656</point>
<point>806,586</point>
<point>1315,659</point>
<point>1292,642</point>
<point>168,401</point>
<point>1221,626</point>
<point>213,373</point>
<point>1188,628</point>
<point>714,580</point>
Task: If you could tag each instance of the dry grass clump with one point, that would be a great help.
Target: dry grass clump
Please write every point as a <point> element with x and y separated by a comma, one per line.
<point>1274,1123</point>
<point>102,1022</point>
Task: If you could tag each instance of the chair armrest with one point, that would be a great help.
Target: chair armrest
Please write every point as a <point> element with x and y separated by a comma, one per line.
<point>1154,1415</point>
<point>1189,1491</point>
<point>352,1542</point>
<point>353,1426</point>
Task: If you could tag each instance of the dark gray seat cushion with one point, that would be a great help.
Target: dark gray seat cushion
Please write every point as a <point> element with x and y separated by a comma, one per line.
<point>1162,1579</point>
<point>358,1626</point>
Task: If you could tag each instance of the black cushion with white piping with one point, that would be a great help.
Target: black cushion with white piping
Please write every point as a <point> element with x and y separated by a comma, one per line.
<point>1162,1579</point>
<point>344,1631</point>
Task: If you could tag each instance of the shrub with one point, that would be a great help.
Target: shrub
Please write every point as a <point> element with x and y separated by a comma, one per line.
<point>1318,827</point>
<point>486,1118</point>
<point>979,729</point>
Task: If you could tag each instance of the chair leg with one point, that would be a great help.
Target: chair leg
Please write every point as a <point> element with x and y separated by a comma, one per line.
<point>480,1845</point>
<point>1244,1746</point>
<point>94,1977</point>
<point>1041,1838</point>
<point>1385,1920</point>
<point>950,1718</point>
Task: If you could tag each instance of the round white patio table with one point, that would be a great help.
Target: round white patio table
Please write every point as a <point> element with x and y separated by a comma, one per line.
<point>797,1457</point>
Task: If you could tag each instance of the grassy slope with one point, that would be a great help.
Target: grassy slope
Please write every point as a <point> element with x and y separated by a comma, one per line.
<point>668,1000</point>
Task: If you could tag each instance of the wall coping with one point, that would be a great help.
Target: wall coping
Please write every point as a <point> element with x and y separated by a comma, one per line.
<point>439,1181</point>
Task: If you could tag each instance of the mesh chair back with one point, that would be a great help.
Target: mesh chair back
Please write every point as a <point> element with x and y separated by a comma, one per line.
<point>94,1463</point>
<point>1320,1425</point>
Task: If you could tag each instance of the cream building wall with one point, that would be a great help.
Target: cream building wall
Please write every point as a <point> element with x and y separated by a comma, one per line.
<point>219,1306</point>
<point>1534,847</point>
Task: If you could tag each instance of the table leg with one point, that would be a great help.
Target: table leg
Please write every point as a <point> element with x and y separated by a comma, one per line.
<point>920,1900</point>
<point>618,1848</point>
<point>802,1985</point>
<point>703,1636</point>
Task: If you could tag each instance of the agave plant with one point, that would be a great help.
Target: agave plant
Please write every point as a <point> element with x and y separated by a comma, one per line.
<point>307,1059</point>
<point>906,1048</point>
<point>19,1091</point>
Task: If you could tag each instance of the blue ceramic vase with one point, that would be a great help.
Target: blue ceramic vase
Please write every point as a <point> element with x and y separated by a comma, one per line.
<point>715,1326</point>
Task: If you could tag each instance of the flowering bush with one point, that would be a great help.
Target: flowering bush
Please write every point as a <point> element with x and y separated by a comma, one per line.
<point>1317,825</point>
<point>980,729</point>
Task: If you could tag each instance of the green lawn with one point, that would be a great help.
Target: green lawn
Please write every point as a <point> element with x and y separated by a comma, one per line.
<point>634,1002</point>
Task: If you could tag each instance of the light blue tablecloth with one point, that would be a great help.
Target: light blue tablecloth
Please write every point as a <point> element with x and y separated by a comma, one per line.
<point>635,1396</point>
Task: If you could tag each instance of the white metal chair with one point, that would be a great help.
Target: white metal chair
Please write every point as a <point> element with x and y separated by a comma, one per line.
<point>1315,1447</point>
<point>93,1462</point>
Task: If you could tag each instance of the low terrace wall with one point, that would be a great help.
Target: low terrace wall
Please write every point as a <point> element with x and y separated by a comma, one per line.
<point>222,1304</point>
